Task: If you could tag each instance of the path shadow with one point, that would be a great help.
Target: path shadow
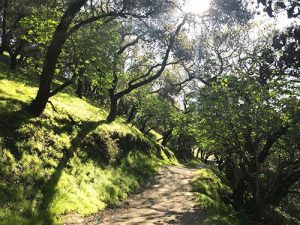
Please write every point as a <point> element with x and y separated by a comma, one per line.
<point>167,199</point>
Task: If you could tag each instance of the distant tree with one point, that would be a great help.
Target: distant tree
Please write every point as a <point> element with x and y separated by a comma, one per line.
<point>183,138</point>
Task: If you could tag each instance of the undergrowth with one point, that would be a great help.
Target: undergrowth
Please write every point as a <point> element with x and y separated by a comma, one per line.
<point>210,186</point>
<point>68,160</point>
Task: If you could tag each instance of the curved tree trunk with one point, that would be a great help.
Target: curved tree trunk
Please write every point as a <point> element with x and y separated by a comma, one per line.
<point>59,38</point>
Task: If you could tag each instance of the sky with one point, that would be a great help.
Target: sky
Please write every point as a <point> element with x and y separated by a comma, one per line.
<point>279,22</point>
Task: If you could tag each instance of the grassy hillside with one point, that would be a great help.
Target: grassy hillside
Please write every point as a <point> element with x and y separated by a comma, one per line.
<point>68,160</point>
<point>211,187</point>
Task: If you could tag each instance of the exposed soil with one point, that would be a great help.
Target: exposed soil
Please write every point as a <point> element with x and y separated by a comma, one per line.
<point>167,199</point>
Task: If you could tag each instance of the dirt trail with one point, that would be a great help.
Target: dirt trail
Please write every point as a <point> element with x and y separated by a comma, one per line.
<point>167,199</point>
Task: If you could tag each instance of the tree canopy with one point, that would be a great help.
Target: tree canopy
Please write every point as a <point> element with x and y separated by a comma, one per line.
<point>218,85</point>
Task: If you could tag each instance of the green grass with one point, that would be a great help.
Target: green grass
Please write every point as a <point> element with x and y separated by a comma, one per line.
<point>209,186</point>
<point>50,167</point>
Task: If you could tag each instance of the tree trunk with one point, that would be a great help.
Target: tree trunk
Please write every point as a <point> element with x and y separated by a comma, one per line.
<point>238,195</point>
<point>79,90</point>
<point>259,206</point>
<point>198,152</point>
<point>14,53</point>
<point>131,114</point>
<point>22,59</point>
<point>113,109</point>
<point>166,137</point>
<point>144,125</point>
<point>202,154</point>
<point>206,158</point>
<point>4,35</point>
<point>13,62</point>
<point>59,38</point>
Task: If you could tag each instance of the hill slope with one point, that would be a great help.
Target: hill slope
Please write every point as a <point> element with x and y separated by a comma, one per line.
<point>68,160</point>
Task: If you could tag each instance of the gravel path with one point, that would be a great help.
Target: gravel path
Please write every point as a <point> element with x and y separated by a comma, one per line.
<point>167,199</point>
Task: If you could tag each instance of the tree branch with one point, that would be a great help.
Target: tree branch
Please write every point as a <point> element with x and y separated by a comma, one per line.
<point>91,20</point>
<point>135,41</point>
<point>63,86</point>
<point>110,15</point>
<point>192,76</point>
<point>162,67</point>
<point>269,143</point>
<point>149,71</point>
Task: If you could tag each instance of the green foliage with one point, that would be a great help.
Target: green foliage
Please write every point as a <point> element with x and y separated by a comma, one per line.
<point>39,26</point>
<point>50,166</point>
<point>210,187</point>
<point>253,129</point>
<point>159,113</point>
<point>89,55</point>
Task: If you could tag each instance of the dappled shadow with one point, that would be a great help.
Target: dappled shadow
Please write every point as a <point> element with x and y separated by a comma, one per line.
<point>166,199</point>
<point>10,124</point>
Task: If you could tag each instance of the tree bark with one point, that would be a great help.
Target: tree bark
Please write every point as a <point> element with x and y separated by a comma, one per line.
<point>238,195</point>
<point>166,137</point>
<point>131,114</point>
<point>13,62</point>
<point>59,38</point>
<point>259,206</point>
<point>198,152</point>
<point>113,109</point>
<point>60,88</point>
<point>143,125</point>
<point>4,35</point>
<point>79,90</point>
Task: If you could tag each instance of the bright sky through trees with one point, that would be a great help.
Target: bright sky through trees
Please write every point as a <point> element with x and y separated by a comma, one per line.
<point>197,6</point>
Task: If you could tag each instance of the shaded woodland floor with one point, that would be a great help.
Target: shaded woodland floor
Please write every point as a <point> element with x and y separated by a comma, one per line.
<point>166,199</point>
